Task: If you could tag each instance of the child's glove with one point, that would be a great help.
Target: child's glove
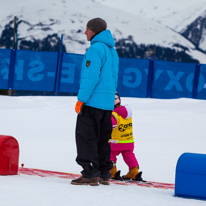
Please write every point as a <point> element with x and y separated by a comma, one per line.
<point>79,107</point>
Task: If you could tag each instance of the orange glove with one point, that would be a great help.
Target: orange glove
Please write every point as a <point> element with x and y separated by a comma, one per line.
<point>78,107</point>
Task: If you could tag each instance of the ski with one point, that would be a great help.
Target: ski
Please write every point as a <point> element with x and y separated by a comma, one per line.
<point>138,181</point>
<point>138,178</point>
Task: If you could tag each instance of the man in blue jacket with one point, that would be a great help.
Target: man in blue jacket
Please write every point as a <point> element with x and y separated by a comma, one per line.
<point>95,103</point>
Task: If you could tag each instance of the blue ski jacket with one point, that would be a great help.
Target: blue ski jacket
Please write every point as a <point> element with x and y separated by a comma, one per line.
<point>99,74</point>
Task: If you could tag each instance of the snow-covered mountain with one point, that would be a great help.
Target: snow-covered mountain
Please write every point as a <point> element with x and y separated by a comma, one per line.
<point>188,18</point>
<point>135,24</point>
<point>196,32</point>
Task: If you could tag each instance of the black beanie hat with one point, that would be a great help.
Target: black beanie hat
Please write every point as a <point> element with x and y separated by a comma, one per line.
<point>97,25</point>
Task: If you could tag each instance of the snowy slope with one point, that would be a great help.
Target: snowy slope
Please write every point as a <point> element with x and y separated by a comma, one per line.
<point>45,130</point>
<point>179,15</point>
<point>39,19</point>
<point>176,14</point>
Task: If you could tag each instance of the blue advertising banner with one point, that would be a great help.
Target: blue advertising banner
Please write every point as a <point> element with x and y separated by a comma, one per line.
<point>60,72</point>
<point>173,79</point>
<point>4,67</point>
<point>132,81</point>
<point>70,73</point>
<point>201,92</point>
<point>35,71</point>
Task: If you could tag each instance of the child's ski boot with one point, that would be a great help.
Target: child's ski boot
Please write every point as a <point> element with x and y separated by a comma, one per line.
<point>114,173</point>
<point>132,173</point>
<point>117,176</point>
<point>113,170</point>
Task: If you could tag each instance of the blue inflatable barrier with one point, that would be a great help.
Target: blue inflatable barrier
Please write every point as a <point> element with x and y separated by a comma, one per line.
<point>190,180</point>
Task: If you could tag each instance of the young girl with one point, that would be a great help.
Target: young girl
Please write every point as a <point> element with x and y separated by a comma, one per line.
<point>122,140</point>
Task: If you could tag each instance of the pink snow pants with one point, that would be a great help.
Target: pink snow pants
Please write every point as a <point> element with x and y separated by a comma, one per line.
<point>127,153</point>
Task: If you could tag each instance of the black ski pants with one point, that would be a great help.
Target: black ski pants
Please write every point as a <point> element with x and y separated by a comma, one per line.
<point>93,131</point>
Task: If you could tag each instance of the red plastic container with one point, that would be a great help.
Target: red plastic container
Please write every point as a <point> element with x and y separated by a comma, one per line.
<point>9,155</point>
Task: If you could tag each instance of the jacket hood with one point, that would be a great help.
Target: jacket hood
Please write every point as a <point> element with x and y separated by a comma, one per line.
<point>104,37</point>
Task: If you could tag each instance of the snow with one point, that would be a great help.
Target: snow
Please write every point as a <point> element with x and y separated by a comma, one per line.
<point>175,14</point>
<point>44,126</point>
